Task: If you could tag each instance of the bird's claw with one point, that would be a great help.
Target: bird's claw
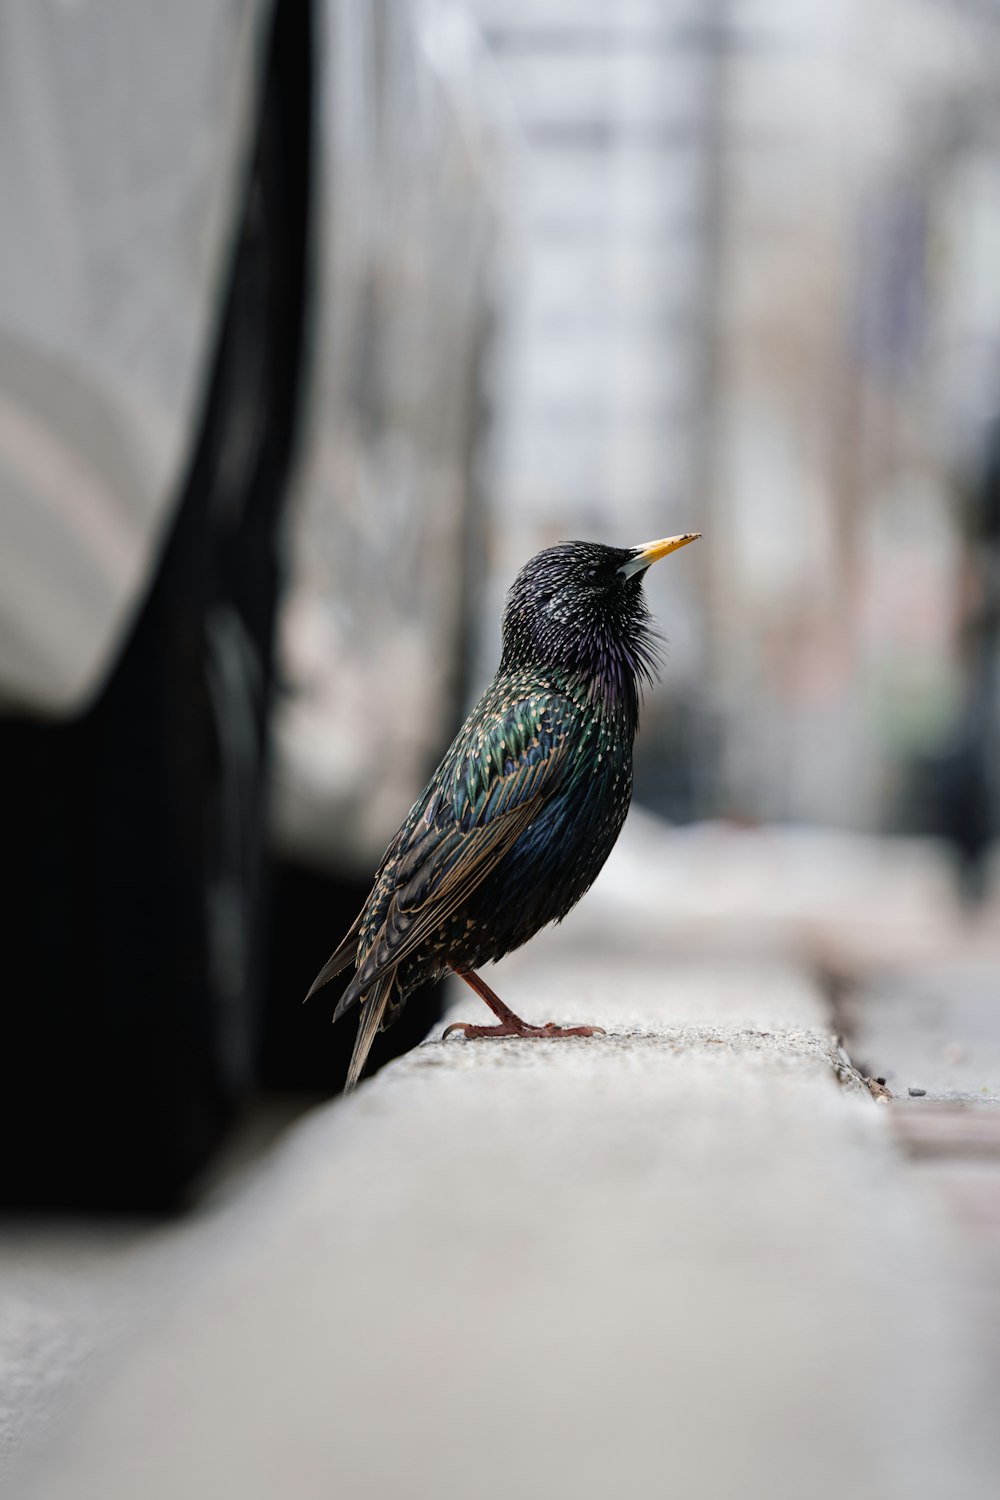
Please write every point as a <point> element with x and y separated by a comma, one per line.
<point>455,1026</point>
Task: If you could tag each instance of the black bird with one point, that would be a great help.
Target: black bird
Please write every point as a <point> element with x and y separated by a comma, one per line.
<point>528,801</point>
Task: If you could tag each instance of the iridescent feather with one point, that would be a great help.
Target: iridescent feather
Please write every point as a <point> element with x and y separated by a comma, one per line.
<point>527,802</point>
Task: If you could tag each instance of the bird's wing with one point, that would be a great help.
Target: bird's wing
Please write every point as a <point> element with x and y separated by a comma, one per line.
<point>344,954</point>
<point>347,950</point>
<point>486,792</point>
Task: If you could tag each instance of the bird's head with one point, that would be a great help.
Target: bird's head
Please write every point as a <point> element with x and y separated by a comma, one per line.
<point>578,608</point>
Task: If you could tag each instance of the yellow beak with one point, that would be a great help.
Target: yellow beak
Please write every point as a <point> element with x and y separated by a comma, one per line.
<point>651,552</point>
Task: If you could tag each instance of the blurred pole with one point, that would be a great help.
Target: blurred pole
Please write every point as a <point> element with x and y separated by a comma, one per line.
<point>718,41</point>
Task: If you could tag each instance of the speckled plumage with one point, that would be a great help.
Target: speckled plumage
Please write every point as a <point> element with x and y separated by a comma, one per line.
<point>528,800</point>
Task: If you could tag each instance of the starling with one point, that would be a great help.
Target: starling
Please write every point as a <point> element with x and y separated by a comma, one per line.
<point>528,800</point>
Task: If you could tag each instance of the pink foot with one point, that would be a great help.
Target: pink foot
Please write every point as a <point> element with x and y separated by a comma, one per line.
<point>517,1027</point>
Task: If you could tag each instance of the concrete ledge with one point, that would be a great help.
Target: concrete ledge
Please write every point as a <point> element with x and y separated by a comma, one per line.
<point>681,1260</point>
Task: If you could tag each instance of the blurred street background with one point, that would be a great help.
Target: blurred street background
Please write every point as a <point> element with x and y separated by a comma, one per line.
<point>740,275</point>
<point>317,319</point>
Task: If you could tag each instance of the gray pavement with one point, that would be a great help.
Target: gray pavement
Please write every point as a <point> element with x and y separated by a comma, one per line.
<point>692,1258</point>
<point>684,1260</point>
<point>74,1292</point>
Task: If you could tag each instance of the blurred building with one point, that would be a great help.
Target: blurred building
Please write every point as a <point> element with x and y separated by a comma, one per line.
<point>859,335</point>
<point>749,288</point>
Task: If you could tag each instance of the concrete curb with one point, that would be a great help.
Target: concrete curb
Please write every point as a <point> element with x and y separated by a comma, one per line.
<point>679,1260</point>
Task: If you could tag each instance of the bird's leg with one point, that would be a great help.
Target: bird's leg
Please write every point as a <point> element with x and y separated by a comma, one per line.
<point>510,1025</point>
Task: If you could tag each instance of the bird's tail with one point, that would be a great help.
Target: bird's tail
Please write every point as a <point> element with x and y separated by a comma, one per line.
<point>372,1011</point>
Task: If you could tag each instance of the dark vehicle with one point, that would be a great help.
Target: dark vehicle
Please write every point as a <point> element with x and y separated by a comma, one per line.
<point>182,316</point>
